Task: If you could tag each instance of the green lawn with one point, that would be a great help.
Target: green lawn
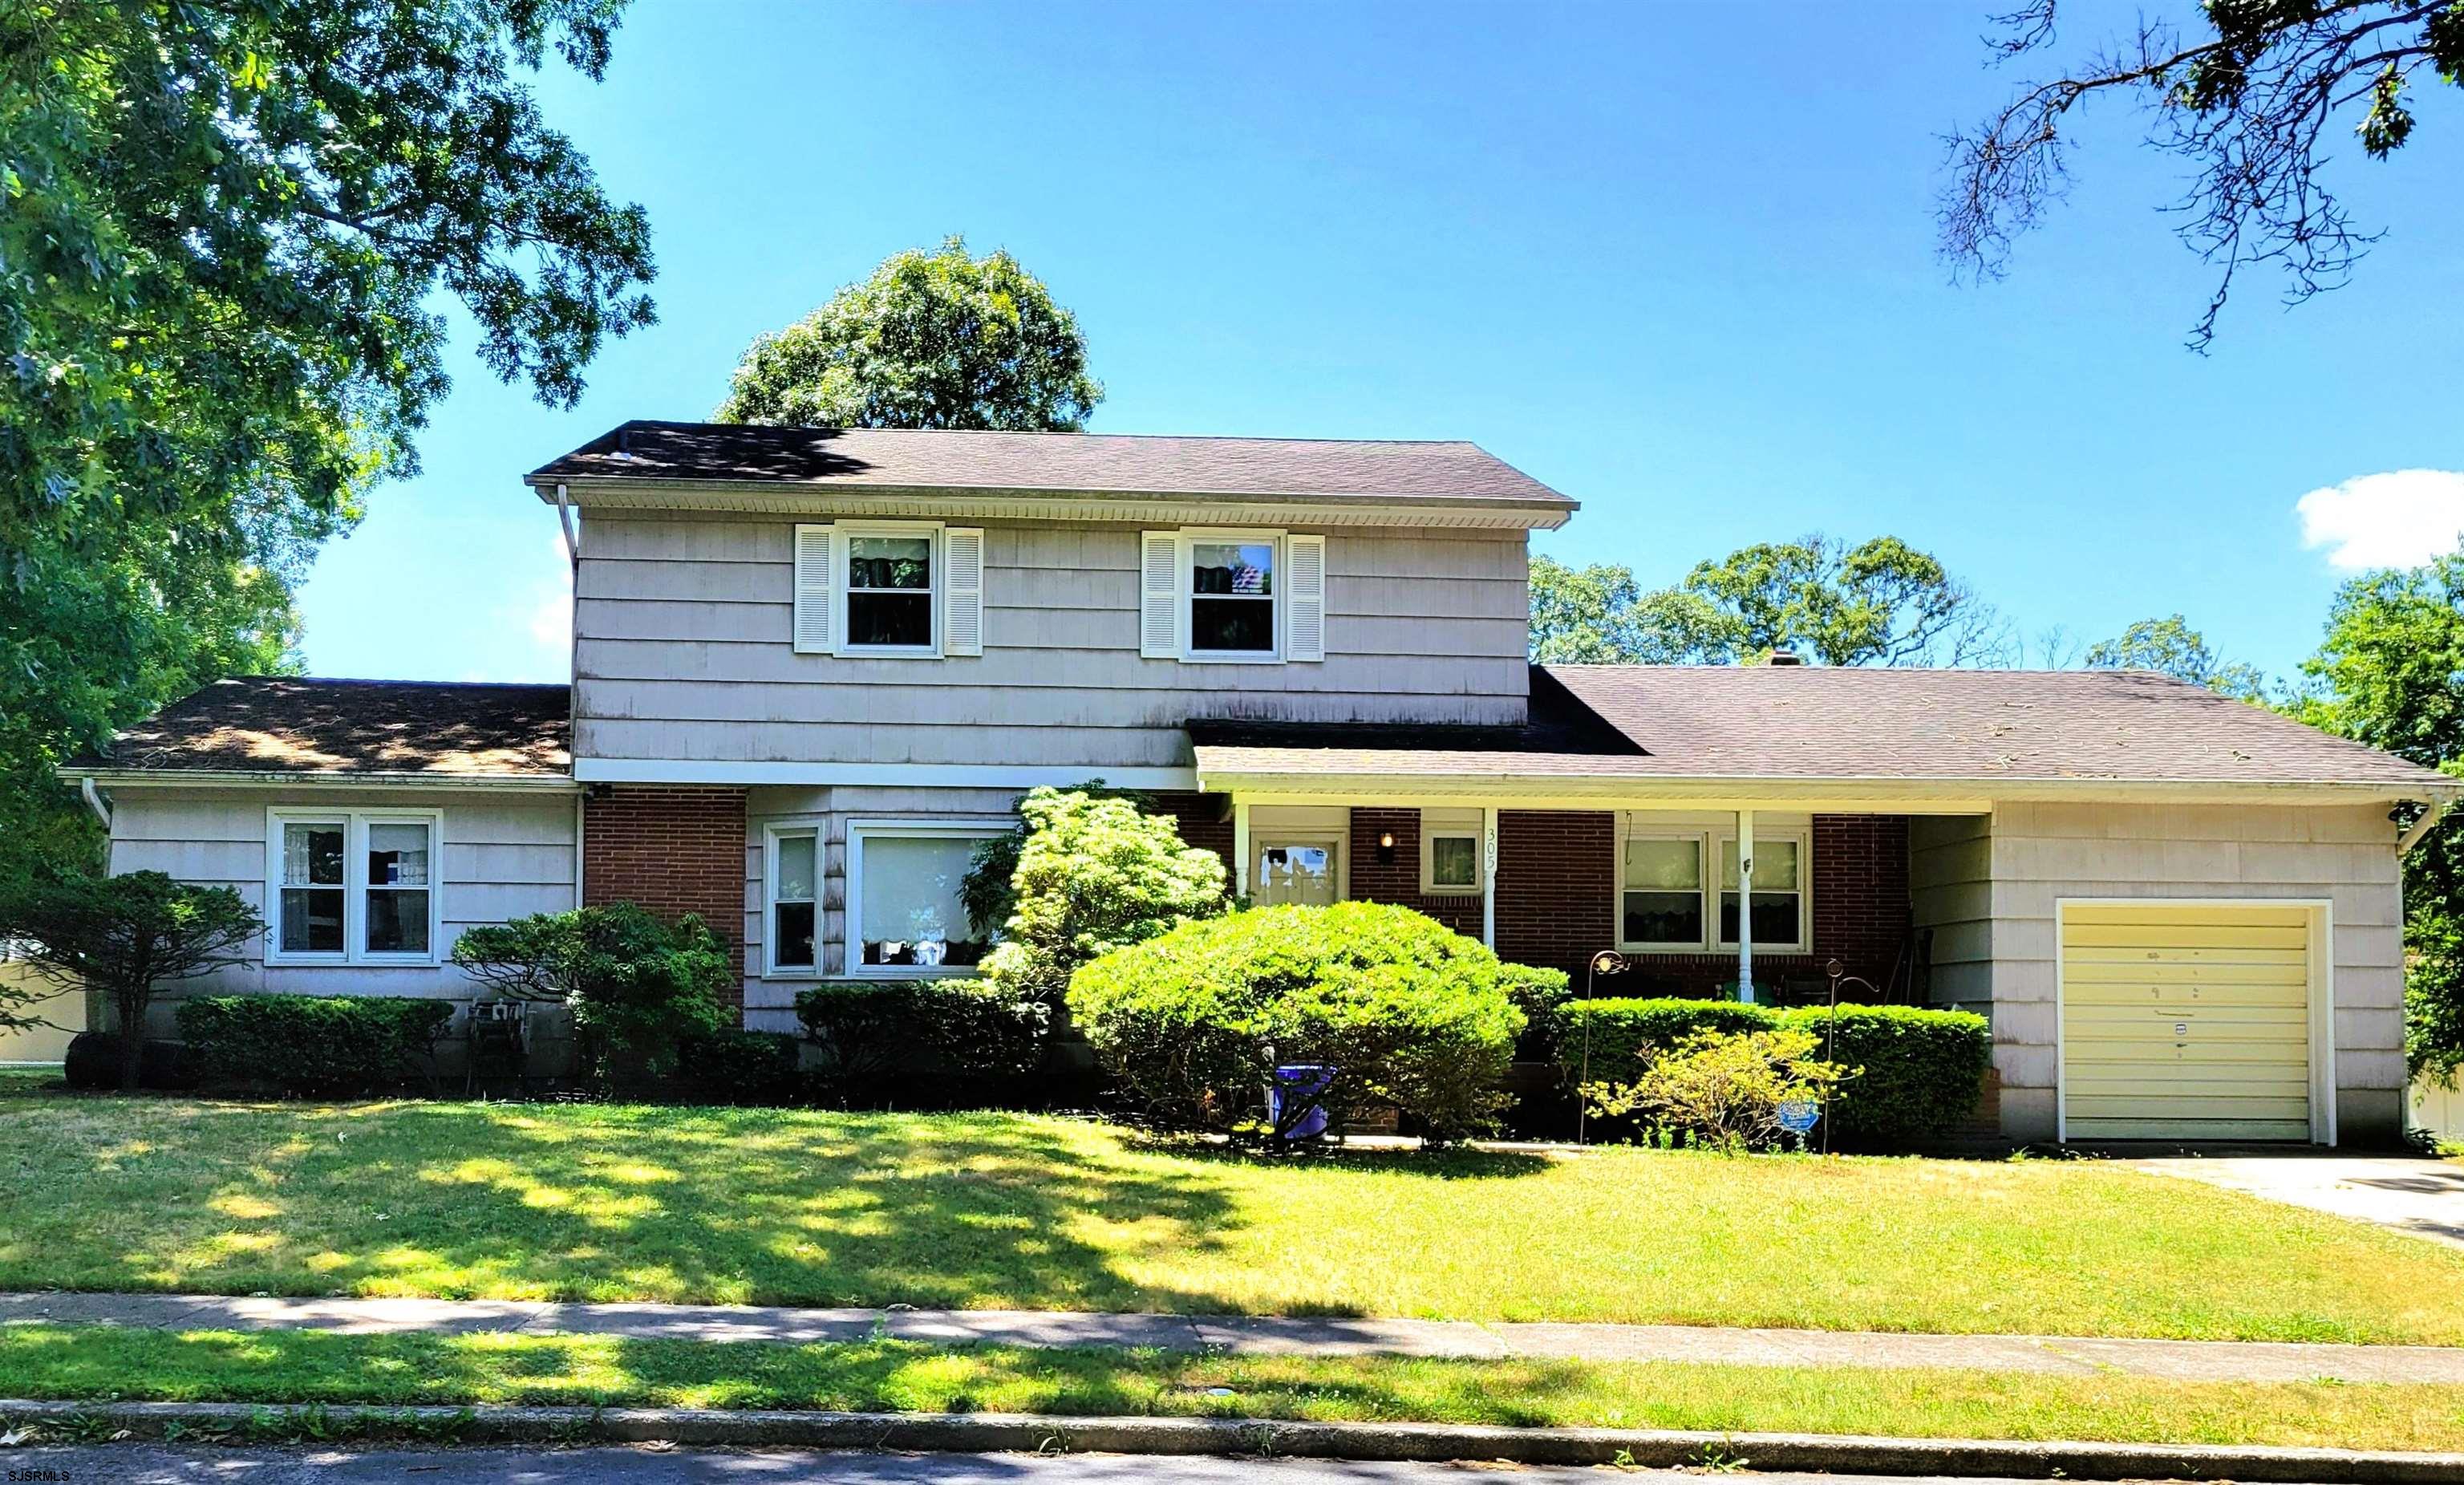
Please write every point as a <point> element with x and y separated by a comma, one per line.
<point>300,1368</point>
<point>1001,1210</point>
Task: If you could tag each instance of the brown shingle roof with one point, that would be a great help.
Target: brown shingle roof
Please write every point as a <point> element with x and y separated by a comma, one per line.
<point>1073,463</point>
<point>295,725</point>
<point>1814,724</point>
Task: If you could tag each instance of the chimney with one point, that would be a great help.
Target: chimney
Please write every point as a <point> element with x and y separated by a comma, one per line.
<point>1784,658</point>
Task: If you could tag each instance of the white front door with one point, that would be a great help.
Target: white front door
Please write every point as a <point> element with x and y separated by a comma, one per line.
<point>1296,871</point>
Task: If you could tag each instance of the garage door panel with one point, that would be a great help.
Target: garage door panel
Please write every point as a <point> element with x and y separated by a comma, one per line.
<point>2186,1021</point>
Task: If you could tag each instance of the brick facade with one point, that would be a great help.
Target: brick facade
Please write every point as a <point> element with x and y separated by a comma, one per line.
<point>1556,903</point>
<point>672,851</point>
<point>1398,879</point>
<point>1205,821</point>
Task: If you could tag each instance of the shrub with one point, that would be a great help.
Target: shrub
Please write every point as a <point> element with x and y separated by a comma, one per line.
<point>313,1043</point>
<point>1407,1013</point>
<point>1922,1070</point>
<point>876,1035</point>
<point>1723,1088</point>
<point>638,988</point>
<point>93,1063</point>
<point>732,1066</point>
<point>126,936</point>
<point>1095,874</point>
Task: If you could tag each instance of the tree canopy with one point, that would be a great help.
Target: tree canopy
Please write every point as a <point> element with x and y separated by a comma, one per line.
<point>2254,100</point>
<point>224,225</point>
<point>2171,647</point>
<point>932,340</point>
<point>1881,601</point>
<point>2390,672</point>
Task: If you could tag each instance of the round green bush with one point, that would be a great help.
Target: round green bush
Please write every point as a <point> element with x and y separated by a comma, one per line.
<point>1408,1014</point>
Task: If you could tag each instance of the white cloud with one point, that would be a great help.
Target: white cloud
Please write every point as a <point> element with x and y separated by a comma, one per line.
<point>2400,518</point>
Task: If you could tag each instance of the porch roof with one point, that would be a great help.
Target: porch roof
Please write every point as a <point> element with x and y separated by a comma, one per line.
<point>1798,730</point>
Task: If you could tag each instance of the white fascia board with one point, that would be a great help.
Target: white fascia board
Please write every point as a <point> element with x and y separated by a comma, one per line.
<point>1846,795</point>
<point>203,778</point>
<point>654,770</point>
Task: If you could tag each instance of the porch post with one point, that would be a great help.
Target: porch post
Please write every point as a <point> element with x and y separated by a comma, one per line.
<point>1746,906</point>
<point>1240,848</point>
<point>1488,876</point>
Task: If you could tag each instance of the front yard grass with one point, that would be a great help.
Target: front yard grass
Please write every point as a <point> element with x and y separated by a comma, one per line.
<point>335,1371</point>
<point>997,1210</point>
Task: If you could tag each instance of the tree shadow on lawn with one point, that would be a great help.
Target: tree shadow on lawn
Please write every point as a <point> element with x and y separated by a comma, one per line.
<point>732,1206</point>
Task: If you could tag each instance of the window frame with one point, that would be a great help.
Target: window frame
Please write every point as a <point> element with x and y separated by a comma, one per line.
<point>1712,842</point>
<point>852,914</point>
<point>355,822</point>
<point>1455,824</point>
<point>843,590</point>
<point>772,833</point>
<point>1185,581</point>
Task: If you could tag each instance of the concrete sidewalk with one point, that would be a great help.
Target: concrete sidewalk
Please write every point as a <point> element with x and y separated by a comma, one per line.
<point>2181,1360</point>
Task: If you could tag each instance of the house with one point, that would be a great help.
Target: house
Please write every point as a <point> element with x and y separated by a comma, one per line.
<point>813,668</point>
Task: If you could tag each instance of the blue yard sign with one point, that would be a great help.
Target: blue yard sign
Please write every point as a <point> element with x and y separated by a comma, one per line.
<point>1798,1116</point>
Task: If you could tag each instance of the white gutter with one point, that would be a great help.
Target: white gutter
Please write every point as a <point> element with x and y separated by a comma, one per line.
<point>223,778</point>
<point>95,802</point>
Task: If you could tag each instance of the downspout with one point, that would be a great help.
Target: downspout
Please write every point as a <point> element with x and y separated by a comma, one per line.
<point>572,537</point>
<point>2413,836</point>
<point>95,802</point>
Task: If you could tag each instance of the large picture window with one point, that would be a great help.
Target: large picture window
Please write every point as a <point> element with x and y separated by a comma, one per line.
<point>352,887</point>
<point>905,914</point>
<point>1668,902</point>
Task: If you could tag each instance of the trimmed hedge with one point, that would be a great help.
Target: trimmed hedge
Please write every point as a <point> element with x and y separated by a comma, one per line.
<point>1407,1014</point>
<point>92,1063</point>
<point>926,1040</point>
<point>313,1043</point>
<point>1922,1070</point>
<point>760,1069</point>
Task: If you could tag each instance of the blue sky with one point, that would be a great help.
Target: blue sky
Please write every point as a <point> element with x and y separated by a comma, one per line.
<point>1677,267</point>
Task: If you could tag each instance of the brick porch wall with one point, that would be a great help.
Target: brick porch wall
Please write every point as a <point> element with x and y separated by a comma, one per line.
<point>1556,902</point>
<point>672,851</point>
<point>1398,880</point>
<point>1205,821</point>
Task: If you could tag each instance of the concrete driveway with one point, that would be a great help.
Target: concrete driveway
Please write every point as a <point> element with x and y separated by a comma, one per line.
<point>2407,1193</point>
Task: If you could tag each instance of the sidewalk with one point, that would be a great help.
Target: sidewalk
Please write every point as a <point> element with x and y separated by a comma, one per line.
<point>2178,1360</point>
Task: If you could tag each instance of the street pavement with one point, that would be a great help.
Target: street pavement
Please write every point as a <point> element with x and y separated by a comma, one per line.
<point>131,1464</point>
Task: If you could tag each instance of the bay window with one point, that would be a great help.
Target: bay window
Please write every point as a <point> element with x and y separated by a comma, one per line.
<point>353,887</point>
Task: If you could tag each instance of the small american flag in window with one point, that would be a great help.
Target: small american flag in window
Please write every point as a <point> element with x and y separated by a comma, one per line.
<point>1246,579</point>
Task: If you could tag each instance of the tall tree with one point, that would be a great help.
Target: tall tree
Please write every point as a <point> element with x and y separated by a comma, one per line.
<point>2254,98</point>
<point>2390,672</point>
<point>223,224</point>
<point>1881,601</point>
<point>2171,647</point>
<point>932,340</point>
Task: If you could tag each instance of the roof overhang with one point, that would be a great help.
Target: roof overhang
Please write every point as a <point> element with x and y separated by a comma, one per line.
<point>1842,795</point>
<point>809,497</point>
<point>224,778</point>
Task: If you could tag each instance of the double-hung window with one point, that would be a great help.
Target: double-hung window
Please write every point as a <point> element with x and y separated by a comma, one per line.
<point>353,887</point>
<point>890,593</point>
<point>1224,595</point>
<point>795,878</point>
<point>1670,902</point>
<point>902,590</point>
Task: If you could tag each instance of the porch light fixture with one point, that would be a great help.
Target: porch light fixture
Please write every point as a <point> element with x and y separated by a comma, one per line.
<point>1386,849</point>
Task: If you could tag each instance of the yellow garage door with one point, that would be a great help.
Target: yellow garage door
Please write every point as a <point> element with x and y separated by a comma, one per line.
<point>2187,1021</point>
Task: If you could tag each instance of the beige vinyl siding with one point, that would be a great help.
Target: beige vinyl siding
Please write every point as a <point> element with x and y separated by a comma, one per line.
<point>770,1001</point>
<point>504,856</point>
<point>1950,893</point>
<point>682,652</point>
<point>2341,855</point>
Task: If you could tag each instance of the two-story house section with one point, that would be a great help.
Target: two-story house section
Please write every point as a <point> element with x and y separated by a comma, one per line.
<point>813,669</point>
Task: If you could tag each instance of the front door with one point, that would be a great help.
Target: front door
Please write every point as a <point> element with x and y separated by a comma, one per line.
<point>1296,871</point>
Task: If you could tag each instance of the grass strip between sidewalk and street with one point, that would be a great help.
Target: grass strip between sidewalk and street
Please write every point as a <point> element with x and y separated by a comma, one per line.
<point>308,1368</point>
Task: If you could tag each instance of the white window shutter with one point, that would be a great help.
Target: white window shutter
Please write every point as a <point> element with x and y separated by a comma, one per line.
<point>1305,597</point>
<point>1159,595</point>
<point>962,573</point>
<point>816,610</point>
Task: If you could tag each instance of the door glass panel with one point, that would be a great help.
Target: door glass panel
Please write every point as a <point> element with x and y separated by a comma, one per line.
<point>1301,872</point>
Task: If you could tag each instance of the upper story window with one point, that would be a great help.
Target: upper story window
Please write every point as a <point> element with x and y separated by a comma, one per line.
<point>1255,596</point>
<point>352,887</point>
<point>1665,899</point>
<point>889,589</point>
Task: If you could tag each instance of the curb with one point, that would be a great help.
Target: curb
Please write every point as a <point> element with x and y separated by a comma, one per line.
<point>1402,1442</point>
